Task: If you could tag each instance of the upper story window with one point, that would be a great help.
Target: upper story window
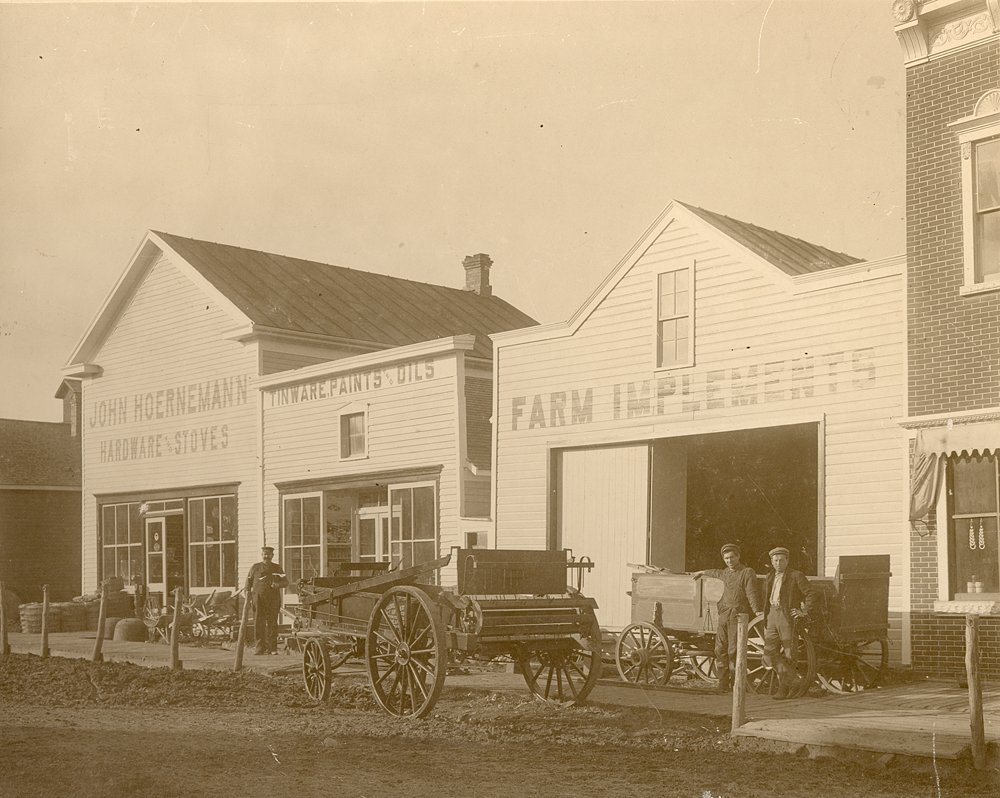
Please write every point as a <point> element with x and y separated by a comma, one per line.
<point>353,435</point>
<point>979,138</point>
<point>675,319</point>
<point>974,523</point>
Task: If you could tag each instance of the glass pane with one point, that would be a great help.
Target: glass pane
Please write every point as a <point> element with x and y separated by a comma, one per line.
<point>987,245</point>
<point>975,485</point>
<point>366,538</point>
<point>108,524</point>
<point>134,524</point>
<point>228,519</point>
<point>228,563</point>
<point>423,514</point>
<point>988,175</point>
<point>293,522</point>
<point>384,550</point>
<point>424,552</point>
<point>135,562</point>
<point>293,565</point>
<point>666,306</point>
<point>310,562</point>
<point>213,570</point>
<point>681,303</point>
<point>212,519</point>
<point>976,556</point>
<point>197,566</point>
<point>406,555</point>
<point>406,514</point>
<point>682,280</point>
<point>310,521</point>
<point>196,525</point>
<point>156,565</point>
<point>108,562</point>
<point>121,523</point>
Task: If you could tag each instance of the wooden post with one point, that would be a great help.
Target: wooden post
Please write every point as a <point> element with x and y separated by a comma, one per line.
<point>4,642</point>
<point>45,621</point>
<point>975,691</point>
<point>175,657</point>
<point>740,677</point>
<point>241,637</point>
<point>99,641</point>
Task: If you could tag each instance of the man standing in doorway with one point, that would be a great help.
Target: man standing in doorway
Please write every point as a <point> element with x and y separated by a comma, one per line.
<point>264,583</point>
<point>739,595</point>
<point>788,597</point>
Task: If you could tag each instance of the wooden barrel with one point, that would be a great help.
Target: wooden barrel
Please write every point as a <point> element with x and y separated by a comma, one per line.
<point>31,617</point>
<point>72,616</point>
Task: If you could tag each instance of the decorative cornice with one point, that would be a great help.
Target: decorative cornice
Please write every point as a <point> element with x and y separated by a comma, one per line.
<point>928,29</point>
<point>945,419</point>
<point>985,607</point>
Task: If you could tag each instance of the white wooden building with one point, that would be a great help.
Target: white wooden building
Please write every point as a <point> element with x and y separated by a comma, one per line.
<point>180,413</point>
<point>711,335</point>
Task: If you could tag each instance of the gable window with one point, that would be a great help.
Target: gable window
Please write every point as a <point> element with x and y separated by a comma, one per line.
<point>353,435</point>
<point>979,139</point>
<point>674,319</point>
<point>973,516</point>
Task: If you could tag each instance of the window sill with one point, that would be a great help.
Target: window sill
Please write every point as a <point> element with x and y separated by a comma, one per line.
<point>354,457</point>
<point>979,288</point>
<point>983,604</point>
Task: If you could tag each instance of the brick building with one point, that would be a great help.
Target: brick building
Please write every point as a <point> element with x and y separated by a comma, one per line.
<point>40,489</point>
<point>951,50</point>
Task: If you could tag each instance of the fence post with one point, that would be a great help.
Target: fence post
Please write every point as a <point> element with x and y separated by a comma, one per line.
<point>241,637</point>
<point>975,691</point>
<point>45,621</point>
<point>99,641</point>
<point>740,677</point>
<point>175,657</point>
<point>4,642</point>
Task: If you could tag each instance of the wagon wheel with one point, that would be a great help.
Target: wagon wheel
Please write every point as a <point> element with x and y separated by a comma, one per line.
<point>316,670</point>
<point>855,666</point>
<point>763,679</point>
<point>702,665</point>
<point>643,655</point>
<point>565,674</point>
<point>405,652</point>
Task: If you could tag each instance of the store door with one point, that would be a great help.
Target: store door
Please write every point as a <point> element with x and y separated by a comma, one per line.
<point>164,556</point>
<point>373,534</point>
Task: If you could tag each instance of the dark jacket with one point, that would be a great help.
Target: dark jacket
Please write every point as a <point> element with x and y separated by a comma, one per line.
<point>266,578</point>
<point>795,592</point>
<point>740,589</point>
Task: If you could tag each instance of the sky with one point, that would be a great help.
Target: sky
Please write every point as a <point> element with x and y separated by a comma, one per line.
<point>398,138</point>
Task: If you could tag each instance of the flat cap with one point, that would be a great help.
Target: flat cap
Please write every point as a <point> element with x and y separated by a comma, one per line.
<point>267,548</point>
<point>778,550</point>
<point>731,547</point>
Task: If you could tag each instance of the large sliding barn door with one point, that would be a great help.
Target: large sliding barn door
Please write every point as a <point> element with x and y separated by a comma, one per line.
<point>604,514</point>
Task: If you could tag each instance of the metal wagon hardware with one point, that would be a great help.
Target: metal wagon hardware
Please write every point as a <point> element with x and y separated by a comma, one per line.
<point>844,646</point>
<point>507,602</point>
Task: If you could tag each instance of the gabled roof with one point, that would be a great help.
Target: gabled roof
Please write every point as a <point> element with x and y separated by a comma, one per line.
<point>792,255</point>
<point>299,296</point>
<point>38,453</point>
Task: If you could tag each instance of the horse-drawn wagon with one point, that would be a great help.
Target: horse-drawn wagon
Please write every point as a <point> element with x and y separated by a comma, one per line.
<point>506,602</point>
<point>844,646</point>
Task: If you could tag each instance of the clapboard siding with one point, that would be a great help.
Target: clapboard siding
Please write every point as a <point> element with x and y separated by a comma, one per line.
<point>272,361</point>
<point>410,427</point>
<point>170,336</point>
<point>841,355</point>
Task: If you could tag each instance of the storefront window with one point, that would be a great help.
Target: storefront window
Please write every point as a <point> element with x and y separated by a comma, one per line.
<point>212,541</point>
<point>302,550</point>
<point>121,541</point>
<point>413,530</point>
<point>973,487</point>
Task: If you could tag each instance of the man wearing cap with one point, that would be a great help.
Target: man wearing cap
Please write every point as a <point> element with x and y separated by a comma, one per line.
<point>788,597</point>
<point>264,583</point>
<point>739,595</point>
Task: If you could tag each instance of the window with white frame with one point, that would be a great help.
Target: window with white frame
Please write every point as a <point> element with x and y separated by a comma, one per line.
<point>121,541</point>
<point>979,137</point>
<point>973,499</point>
<point>302,526</point>
<point>212,541</point>
<point>674,318</point>
<point>413,527</point>
<point>353,434</point>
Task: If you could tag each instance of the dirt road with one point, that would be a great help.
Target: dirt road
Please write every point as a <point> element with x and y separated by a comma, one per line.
<point>70,728</point>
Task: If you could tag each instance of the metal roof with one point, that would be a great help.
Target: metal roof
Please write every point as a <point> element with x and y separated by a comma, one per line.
<point>41,453</point>
<point>303,296</point>
<point>792,255</point>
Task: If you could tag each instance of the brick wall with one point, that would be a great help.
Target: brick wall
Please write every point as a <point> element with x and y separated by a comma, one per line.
<point>954,341</point>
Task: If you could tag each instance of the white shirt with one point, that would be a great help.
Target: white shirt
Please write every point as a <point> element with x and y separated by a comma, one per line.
<point>776,590</point>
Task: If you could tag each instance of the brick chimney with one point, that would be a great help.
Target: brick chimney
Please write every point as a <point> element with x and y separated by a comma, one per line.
<point>477,274</point>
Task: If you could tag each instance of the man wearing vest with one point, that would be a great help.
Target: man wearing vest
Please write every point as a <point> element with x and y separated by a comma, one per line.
<point>787,597</point>
<point>739,595</point>
<point>264,583</point>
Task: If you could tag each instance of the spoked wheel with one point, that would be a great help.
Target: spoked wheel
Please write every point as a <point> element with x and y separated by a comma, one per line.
<point>702,665</point>
<point>564,674</point>
<point>643,655</point>
<point>853,667</point>
<point>405,652</point>
<point>761,678</point>
<point>317,672</point>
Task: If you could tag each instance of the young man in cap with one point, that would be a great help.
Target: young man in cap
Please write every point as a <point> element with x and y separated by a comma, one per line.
<point>264,583</point>
<point>787,598</point>
<point>739,595</point>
